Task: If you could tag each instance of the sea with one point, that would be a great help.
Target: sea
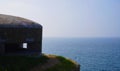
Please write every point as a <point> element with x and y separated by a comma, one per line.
<point>93,54</point>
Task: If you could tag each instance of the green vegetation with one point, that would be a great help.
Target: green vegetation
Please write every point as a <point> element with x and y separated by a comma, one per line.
<point>64,65</point>
<point>20,63</point>
<point>26,63</point>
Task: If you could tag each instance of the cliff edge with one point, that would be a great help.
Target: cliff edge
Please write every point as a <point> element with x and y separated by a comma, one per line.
<point>57,63</point>
<point>37,63</point>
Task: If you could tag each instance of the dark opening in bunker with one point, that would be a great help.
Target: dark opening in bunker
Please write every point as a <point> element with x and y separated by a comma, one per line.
<point>14,47</point>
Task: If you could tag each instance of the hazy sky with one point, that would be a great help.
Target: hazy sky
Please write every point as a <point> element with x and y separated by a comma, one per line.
<point>69,18</point>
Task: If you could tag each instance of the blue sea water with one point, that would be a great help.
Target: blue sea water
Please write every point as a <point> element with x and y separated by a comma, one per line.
<point>93,54</point>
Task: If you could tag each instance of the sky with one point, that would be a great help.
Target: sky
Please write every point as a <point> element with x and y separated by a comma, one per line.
<point>69,18</point>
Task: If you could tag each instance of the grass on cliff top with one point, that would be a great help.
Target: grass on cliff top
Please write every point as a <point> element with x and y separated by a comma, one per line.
<point>64,65</point>
<point>25,63</point>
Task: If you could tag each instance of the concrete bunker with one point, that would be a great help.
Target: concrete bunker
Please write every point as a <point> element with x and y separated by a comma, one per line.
<point>19,36</point>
